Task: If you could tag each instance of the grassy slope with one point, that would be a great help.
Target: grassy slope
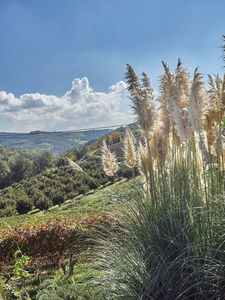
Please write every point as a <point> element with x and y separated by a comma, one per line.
<point>99,201</point>
<point>107,199</point>
<point>55,142</point>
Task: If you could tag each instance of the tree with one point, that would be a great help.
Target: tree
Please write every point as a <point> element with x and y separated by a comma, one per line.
<point>44,161</point>
<point>115,137</point>
<point>21,169</point>
<point>58,198</point>
<point>23,202</point>
<point>4,171</point>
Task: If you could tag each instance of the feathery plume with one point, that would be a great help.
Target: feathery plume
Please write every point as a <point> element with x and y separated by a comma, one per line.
<point>143,160</point>
<point>180,122</point>
<point>132,80</point>
<point>182,85</point>
<point>174,91</point>
<point>74,165</point>
<point>108,160</point>
<point>197,111</point>
<point>167,87</point>
<point>79,169</point>
<point>216,95</point>
<point>146,86</point>
<point>129,149</point>
<point>197,107</point>
<point>142,98</point>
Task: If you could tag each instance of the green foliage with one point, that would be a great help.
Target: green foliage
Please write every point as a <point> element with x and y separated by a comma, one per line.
<point>8,290</point>
<point>223,121</point>
<point>23,202</point>
<point>21,169</point>
<point>7,207</point>
<point>58,290</point>
<point>56,186</point>
<point>21,261</point>
<point>44,161</point>
<point>3,285</point>
<point>74,287</point>
<point>171,242</point>
<point>55,142</point>
<point>50,240</point>
<point>43,203</point>
<point>115,137</point>
<point>58,198</point>
<point>4,169</point>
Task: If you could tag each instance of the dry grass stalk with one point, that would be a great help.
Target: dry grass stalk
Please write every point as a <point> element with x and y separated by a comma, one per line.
<point>198,105</point>
<point>129,149</point>
<point>74,165</point>
<point>144,163</point>
<point>144,109</point>
<point>108,160</point>
<point>142,99</point>
<point>186,111</point>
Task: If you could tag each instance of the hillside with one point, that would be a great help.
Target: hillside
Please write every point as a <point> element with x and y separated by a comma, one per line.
<point>54,142</point>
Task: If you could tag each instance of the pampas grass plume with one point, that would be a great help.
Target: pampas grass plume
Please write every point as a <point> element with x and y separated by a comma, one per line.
<point>108,160</point>
<point>129,149</point>
<point>74,165</point>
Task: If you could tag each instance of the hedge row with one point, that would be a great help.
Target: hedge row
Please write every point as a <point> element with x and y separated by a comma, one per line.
<point>51,240</point>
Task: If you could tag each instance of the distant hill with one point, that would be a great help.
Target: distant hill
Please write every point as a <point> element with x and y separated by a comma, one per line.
<point>54,142</point>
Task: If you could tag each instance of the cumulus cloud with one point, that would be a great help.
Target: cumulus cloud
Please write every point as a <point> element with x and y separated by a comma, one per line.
<point>78,108</point>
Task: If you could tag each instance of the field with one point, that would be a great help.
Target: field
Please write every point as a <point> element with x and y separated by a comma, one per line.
<point>156,236</point>
<point>48,237</point>
<point>55,142</point>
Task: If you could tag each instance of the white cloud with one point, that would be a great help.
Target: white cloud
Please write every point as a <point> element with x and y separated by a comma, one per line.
<point>78,108</point>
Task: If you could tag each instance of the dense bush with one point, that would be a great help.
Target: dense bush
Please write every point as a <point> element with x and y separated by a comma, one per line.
<point>53,239</point>
<point>7,207</point>
<point>58,198</point>
<point>43,203</point>
<point>23,203</point>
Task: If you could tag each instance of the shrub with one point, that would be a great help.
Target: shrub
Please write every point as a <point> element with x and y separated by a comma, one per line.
<point>43,203</point>
<point>8,210</point>
<point>52,240</point>
<point>23,205</point>
<point>35,195</point>
<point>23,202</point>
<point>58,198</point>
<point>72,195</point>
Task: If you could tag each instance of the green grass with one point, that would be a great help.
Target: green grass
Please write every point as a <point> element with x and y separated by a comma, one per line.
<point>98,201</point>
<point>107,199</point>
<point>171,243</point>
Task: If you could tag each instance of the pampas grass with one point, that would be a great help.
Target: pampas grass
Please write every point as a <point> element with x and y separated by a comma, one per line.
<point>171,242</point>
<point>142,99</point>
<point>74,165</point>
<point>108,160</point>
<point>129,149</point>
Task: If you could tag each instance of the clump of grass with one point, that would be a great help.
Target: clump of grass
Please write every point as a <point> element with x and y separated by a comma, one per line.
<point>171,247</point>
<point>171,242</point>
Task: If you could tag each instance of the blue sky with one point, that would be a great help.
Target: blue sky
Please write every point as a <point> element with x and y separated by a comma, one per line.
<point>62,62</point>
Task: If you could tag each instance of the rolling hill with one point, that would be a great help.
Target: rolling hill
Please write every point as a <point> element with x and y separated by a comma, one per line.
<point>54,142</point>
